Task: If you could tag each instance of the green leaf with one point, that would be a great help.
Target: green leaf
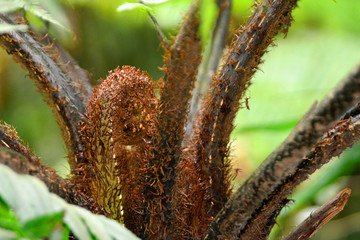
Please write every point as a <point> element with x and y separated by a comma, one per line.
<point>7,234</point>
<point>96,227</point>
<point>37,8</point>
<point>7,6</point>
<point>130,6</point>
<point>7,28</point>
<point>27,196</point>
<point>116,230</point>
<point>74,222</point>
<point>9,224</point>
<point>153,1</point>
<point>44,15</point>
<point>7,219</point>
<point>44,226</point>
<point>82,222</point>
<point>36,213</point>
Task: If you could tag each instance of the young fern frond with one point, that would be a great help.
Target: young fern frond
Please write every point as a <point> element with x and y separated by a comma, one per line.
<point>116,132</point>
<point>128,154</point>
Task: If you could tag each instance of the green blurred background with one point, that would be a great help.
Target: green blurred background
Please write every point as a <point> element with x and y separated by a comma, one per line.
<point>322,46</point>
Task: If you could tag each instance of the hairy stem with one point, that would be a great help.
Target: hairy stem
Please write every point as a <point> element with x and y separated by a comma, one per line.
<point>19,157</point>
<point>31,166</point>
<point>192,216</point>
<point>211,59</point>
<point>211,133</point>
<point>10,139</point>
<point>241,211</point>
<point>333,144</point>
<point>181,60</point>
<point>65,93</point>
<point>320,217</point>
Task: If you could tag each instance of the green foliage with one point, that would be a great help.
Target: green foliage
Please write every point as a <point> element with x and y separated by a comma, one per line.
<point>10,6</point>
<point>6,28</point>
<point>28,210</point>
<point>34,8</point>
<point>131,6</point>
<point>153,1</point>
<point>142,5</point>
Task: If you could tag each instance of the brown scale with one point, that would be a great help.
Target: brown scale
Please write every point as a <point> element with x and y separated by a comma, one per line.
<point>181,60</point>
<point>207,150</point>
<point>116,129</point>
<point>119,138</point>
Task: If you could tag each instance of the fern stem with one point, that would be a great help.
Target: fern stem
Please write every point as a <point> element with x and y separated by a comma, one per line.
<point>307,228</point>
<point>211,59</point>
<point>341,137</point>
<point>65,93</point>
<point>20,159</point>
<point>181,60</point>
<point>212,127</point>
<point>282,166</point>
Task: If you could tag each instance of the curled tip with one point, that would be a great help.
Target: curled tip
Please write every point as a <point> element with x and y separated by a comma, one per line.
<point>130,95</point>
<point>119,118</point>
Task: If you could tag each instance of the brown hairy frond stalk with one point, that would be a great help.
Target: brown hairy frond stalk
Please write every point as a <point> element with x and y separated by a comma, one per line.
<point>80,78</point>
<point>331,109</point>
<point>116,132</point>
<point>19,157</point>
<point>10,139</point>
<point>181,63</point>
<point>344,135</point>
<point>208,147</point>
<point>62,91</point>
<point>320,217</point>
<point>211,58</point>
<point>250,200</point>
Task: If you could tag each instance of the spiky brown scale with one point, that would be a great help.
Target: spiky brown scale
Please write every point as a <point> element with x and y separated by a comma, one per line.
<point>116,131</point>
<point>16,155</point>
<point>344,135</point>
<point>123,146</point>
<point>10,139</point>
<point>61,90</point>
<point>261,196</point>
<point>210,59</point>
<point>209,143</point>
<point>191,192</point>
<point>181,60</point>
